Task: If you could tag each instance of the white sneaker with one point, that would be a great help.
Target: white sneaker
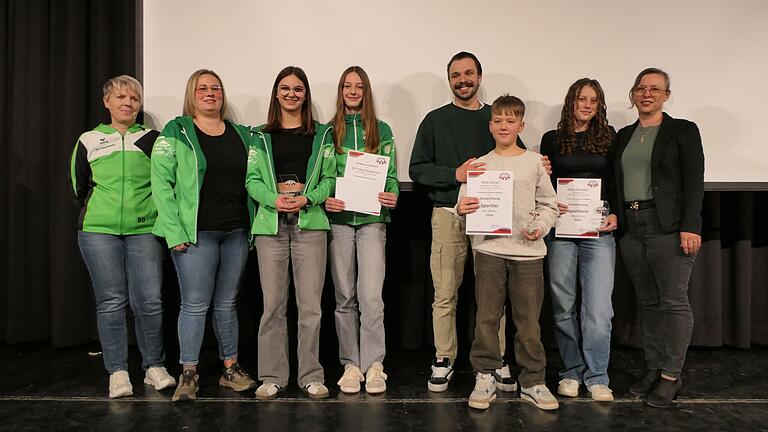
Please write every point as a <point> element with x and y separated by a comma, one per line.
<point>316,390</point>
<point>267,391</point>
<point>350,381</point>
<point>568,387</point>
<point>375,379</point>
<point>600,392</point>
<point>442,372</point>
<point>484,391</point>
<point>504,380</point>
<point>540,396</point>
<point>120,384</point>
<point>159,378</point>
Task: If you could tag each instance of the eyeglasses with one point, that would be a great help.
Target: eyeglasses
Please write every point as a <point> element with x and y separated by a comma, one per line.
<point>214,88</point>
<point>655,91</point>
<point>285,90</point>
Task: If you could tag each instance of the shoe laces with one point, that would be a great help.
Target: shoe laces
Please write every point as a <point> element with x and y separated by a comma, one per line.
<point>352,372</point>
<point>188,377</point>
<point>484,381</point>
<point>376,371</point>
<point>234,371</point>
<point>442,367</point>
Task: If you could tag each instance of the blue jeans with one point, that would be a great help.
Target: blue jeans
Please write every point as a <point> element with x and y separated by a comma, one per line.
<point>210,270</point>
<point>126,270</point>
<point>583,336</point>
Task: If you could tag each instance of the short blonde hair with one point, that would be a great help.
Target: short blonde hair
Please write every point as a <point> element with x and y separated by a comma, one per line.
<point>189,94</point>
<point>122,81</point>
<point>506,104</point>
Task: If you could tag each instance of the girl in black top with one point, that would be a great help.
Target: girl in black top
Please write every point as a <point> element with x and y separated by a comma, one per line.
<point>578,148</point>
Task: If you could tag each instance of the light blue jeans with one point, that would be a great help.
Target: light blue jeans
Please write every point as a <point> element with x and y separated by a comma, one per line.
<point>210,270</point>
<point>126,269</point>
<point>357,266</point>
<point>583,335</point>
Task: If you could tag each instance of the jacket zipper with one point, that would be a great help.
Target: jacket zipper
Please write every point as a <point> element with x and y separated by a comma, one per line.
<point>312,174</point>
<point>122,182</point>
<point>270,165</point>
<point>197,183</point>
<point>354,125</point>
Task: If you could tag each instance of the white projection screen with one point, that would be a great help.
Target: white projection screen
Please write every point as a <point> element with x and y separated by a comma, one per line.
<point>714,50</point>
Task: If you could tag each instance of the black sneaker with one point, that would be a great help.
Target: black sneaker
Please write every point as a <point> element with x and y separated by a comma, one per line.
<point>645,385</point>
<point>504,380</point>
<point>442,372</point>
<point>664,393</point>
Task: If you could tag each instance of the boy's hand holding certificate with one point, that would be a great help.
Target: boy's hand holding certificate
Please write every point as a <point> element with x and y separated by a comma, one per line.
<point>364,177</point>
<point>583,218</point>
<point>495,190</point>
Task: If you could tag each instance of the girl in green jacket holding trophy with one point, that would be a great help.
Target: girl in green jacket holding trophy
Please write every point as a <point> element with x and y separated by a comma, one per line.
<point>291,172</point>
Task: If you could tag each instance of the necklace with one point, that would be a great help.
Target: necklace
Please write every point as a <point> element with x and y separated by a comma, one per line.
<point>644,131</point>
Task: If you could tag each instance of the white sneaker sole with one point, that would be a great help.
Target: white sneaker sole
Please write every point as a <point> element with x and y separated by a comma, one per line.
<point>506,387</point>
<point>481,404</point>
<point>539,405</point>
<point>350,390</point>
<point>160,386</point>
<point>121,393</point>
<point>375,390</point>
<point>437,388</point>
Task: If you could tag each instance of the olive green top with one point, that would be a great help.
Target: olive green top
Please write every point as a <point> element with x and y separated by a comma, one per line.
<point>636,164</point>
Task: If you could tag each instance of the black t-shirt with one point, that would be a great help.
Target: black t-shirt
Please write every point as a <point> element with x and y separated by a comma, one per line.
<point>579,164</point>
<point>223,198</point>
<point>291,150</point>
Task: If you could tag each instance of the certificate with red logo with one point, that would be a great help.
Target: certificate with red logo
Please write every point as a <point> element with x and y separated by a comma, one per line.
<point>582,195</point>
<point>364,177</point>
<point>495,190</point>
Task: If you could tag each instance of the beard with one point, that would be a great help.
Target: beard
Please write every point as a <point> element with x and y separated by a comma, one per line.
<point>463,84</point>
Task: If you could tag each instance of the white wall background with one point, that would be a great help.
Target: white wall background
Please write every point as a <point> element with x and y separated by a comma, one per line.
<point>714,50</point>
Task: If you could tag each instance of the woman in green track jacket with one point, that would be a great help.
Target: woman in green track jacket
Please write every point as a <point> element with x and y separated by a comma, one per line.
<point>198,171</point>
<point>291,171</point>
<point>110,177</point>
<point>358,239</point>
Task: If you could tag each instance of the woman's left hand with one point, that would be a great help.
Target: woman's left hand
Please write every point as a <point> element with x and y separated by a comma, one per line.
<point>690,242</point>
<point>611,223</point>
<point>388,199</point>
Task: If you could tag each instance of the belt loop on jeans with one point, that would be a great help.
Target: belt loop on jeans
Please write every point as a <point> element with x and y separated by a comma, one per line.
<point>639,205</point>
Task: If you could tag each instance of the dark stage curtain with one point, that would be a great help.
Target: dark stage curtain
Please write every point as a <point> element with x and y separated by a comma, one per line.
<point>55,57</point>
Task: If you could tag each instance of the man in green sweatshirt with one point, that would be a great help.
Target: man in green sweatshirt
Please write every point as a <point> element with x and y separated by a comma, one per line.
<point>448,141</point>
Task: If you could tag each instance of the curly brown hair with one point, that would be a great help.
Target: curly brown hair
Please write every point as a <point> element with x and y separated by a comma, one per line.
<point>598,135</point>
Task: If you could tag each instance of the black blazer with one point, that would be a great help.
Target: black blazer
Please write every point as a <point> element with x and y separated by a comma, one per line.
<point>677,174</point>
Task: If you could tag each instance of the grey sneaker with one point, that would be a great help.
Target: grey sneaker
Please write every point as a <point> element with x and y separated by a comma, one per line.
<point>120,385</point>
<point>350,381</point>
<point>237,379</point>
<point>484,391</point>
<point>375,379</point>
<point>504,380</point>
<point>540,396</point>
<point>187,388</point>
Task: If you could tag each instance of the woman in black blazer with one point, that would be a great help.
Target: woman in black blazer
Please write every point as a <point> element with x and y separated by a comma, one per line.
<point>659,167</point>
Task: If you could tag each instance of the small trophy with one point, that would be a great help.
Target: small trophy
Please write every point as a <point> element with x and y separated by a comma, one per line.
<point>602,210</point>
<point>289,185</point>
<point>530,227</point>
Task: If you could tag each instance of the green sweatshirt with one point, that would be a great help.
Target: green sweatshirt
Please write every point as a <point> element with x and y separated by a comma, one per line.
<point>446,138</point>
<point>110,178</point>
<point>178,171</point>
<point>354,139</point>
<point>262,186</point>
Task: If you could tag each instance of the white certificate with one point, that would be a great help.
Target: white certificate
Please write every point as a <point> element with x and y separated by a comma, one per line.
<point>364,177</point>
<point>582,195</point>
<point>495,190</point>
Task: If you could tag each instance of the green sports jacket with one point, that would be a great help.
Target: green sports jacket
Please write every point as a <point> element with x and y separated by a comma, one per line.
<point>262,186</point>
<point>110,175</point>
<point>178,171</point>
<point>354,139</point>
